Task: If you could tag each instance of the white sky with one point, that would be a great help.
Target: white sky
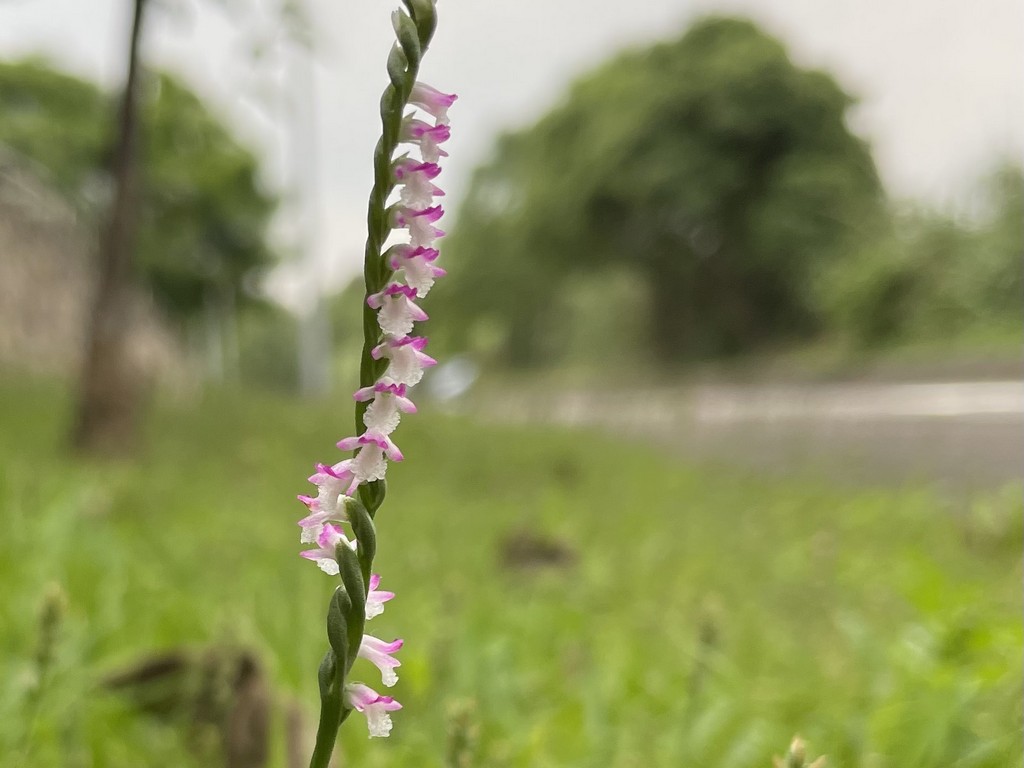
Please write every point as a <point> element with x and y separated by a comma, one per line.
<point>941,82</point>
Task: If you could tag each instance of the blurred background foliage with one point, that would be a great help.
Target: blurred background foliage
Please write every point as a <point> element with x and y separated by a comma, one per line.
<point>704,198</point>
<point>204,212</point>
<point>926,276</point>
<point>713,169</point>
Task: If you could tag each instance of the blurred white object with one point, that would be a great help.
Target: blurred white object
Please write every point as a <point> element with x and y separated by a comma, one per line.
<point>451,380</point>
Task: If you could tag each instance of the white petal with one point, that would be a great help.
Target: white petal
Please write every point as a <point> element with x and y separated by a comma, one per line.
<point>378,721</point>
<point>328,566</point>
<point>369,464</point>
<point>311,534</point>
<point>382,416</point>
<point>394,316</point>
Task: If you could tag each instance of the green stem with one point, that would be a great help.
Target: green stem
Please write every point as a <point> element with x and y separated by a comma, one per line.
<point>326,734</point>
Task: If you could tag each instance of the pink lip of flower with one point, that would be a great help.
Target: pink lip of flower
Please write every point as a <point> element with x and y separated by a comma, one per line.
<point>432,101</point>
<point>364,699</point>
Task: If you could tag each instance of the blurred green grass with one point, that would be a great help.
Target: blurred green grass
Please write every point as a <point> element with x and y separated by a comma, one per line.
<point>703,618</point>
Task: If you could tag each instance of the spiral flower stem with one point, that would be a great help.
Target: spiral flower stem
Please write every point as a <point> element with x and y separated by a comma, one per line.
<point>352,491</point>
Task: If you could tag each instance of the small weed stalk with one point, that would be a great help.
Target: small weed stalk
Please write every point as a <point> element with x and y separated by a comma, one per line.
<point>351,492</point>
<point>796,757</point>
<point>51,615</point>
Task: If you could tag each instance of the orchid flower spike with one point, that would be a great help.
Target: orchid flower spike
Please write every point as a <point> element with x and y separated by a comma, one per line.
<point>350,492</point>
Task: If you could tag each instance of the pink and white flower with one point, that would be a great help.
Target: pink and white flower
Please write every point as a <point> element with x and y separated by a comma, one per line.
<point>428,137</point>
<point>369,463</point>
<point>414,178</point>
<point>334,485</point>
<point>364,699</point>
<point>397,310</point>
<point>378,653</point>
<point>417,266</point>
<point>388,404</point>
<point>376,598</point>
<point>432,101</point>
<point>420,224</point>
<point>372,438</point>
<point>407,358</point>
<point>326,556</point>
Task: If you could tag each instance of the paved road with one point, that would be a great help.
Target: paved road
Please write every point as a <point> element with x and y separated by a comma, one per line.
<point>958,435</point>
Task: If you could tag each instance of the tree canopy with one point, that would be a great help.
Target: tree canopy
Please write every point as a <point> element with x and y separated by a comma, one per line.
<point>204,212</point>
<point>710,166</point>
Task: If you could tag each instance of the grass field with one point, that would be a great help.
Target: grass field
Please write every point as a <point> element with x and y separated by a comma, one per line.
<point>686,618</point>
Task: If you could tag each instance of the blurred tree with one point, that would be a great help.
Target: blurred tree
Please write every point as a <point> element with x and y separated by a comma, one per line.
<point>711,165</point>
<point>203,213</point>
<point>59,121</point>
<point>1000,263</point>
<point>107,410</point>
<point>193,231</point>
<point>931,276</point>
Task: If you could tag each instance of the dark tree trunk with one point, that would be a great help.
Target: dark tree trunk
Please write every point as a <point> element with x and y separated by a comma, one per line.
<point>110,392</point>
